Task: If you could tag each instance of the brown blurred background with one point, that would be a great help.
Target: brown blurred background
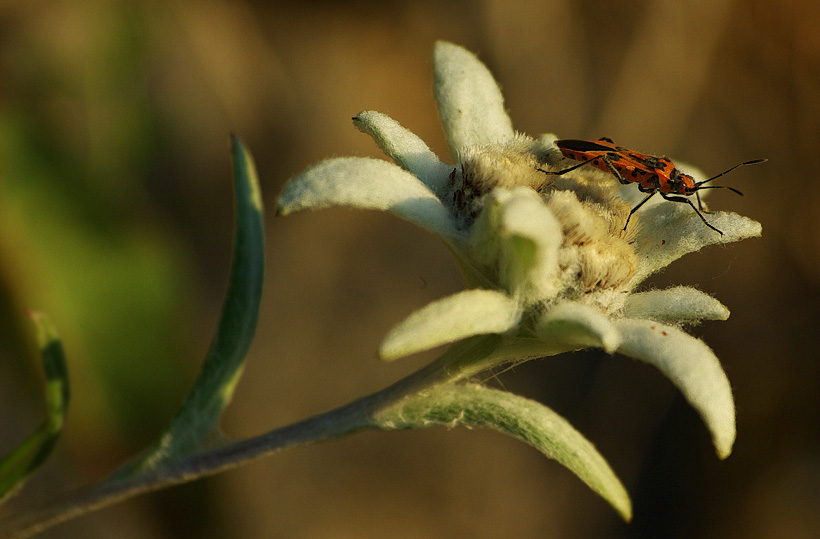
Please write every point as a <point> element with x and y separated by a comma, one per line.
<point>115,218</point>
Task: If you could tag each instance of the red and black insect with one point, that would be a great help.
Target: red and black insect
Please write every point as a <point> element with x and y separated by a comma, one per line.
<point>653,174</point>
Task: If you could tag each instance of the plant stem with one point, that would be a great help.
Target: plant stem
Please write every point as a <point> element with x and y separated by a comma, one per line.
<point>458,362</point>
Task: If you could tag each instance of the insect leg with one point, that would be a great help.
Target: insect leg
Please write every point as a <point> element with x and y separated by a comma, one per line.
<point>700,203</point>
<point>615,172</point>
<point>570,169</point>
<point>641,203</point>
<point>687,201</point>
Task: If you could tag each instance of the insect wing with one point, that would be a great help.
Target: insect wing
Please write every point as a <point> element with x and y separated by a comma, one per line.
<point>590,147</point>
<point>600,154</point>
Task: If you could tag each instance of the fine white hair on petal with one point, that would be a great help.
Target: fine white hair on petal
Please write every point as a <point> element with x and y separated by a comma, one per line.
<point>677,305</point>
<point>367,183</point>
<point>511,164</point>
<point>578,326</point>
<point>462,315</point>
<point>670,231</point>
<point>470,104</point>
<point>516,238</point>
<point>475,405</point>
<point>692,367</point>
<point>405,148</point>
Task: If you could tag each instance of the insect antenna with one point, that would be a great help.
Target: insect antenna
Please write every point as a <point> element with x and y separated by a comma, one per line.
<point>719,187</point>
<point>752,162</point>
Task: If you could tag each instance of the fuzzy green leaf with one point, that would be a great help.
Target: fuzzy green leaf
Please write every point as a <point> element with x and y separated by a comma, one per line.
<point>17,466</point>
<point>473,405</point>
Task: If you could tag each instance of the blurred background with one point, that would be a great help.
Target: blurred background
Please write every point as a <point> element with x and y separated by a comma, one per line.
<point>115,218</point>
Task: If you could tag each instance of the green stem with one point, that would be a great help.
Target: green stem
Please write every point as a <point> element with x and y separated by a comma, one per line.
<point>459,361</point>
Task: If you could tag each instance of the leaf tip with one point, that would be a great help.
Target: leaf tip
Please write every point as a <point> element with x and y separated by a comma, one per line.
<point>391,350</point>
<point>723,448</point>
<point>46,331</point>
<point>245,174</point>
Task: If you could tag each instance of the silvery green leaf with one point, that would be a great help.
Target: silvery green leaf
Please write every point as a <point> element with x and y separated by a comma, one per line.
<point>692,367</point>
<point>473,405</point>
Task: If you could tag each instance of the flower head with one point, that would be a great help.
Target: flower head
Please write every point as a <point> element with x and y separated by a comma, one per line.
<point>546,263</point>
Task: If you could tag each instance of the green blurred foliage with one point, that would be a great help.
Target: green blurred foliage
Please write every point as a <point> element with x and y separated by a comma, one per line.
<point>79,236</point>
<point>115,220</point>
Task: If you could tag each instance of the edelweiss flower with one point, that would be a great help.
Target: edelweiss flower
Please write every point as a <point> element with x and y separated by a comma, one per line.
<point>547,266</point>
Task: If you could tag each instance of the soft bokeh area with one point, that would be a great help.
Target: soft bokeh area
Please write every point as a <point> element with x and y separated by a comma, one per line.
<point>115,218</point>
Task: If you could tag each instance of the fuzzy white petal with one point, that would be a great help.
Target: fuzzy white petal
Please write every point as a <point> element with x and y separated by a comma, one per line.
<point>470,103</point>
<point>669,231</point>
<point>518,235</point>
<point>405,148</point>
<point>450,319</point>
<point>692,367</point>
<point>680,304</point>
<point>578,326</point>
<point>368,184</point>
